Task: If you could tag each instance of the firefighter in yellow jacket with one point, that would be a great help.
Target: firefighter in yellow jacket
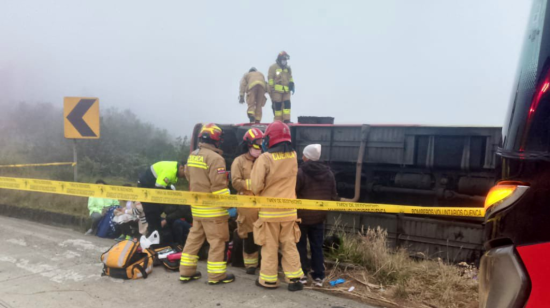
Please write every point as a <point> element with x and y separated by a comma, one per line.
<point>274,175</point>
<point>253,84</point>
<point>206,173</point>
<point>240,178</point>
<point>281,84</point>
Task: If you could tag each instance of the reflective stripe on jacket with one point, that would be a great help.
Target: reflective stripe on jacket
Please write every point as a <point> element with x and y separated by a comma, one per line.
<point>166,173</point>
<point>240,174</point>
<point>250,80</point>
<point>206,173</point>
<point>274,175</point>
<point>279,78</point>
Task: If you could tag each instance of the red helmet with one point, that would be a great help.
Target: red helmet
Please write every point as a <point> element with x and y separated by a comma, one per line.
<point>252,137</point>
<point>277,132</point>
<point>211,132</point>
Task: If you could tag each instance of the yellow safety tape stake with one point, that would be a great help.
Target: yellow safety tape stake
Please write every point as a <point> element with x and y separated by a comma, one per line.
<point>37,165</point>
<point>193,198</point>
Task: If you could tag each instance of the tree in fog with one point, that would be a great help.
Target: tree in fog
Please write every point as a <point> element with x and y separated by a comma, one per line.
<point>34,134</point>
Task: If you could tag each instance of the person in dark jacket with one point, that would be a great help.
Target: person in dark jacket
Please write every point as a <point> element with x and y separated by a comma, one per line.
<point>315,181</point>
<point>177,223</point>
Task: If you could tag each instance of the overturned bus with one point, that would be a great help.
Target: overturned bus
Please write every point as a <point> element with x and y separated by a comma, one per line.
<point>432,166</point>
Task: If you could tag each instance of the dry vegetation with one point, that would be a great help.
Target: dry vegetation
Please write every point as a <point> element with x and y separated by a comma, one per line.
<point>71,205</point>
<point>392,279</point>
<point>76,206</point>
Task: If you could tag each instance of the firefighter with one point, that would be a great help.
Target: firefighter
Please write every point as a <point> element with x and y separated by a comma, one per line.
<point>253,84</point>
<point>274,175</point>
<point>280,85</point>
<point>206,173</point>
<point>161,175</point>
<point>240,178</point>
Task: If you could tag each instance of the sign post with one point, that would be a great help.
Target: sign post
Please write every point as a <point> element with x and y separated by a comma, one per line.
<point>75,160</point>
<point>81,118</point>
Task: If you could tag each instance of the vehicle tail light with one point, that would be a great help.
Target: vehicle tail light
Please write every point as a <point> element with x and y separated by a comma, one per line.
<point>503,281</point>
<point>503,195</point>
<point>498,194</point>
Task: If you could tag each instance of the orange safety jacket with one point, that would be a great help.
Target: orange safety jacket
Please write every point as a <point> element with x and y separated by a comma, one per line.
<point>206,172</point>
<point>274,175</point>
<point>250,80</point>
<point>279,79</point>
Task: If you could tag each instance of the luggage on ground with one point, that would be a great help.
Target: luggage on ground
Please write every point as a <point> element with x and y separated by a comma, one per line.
<point>106,227</point>
<point>126,260</point>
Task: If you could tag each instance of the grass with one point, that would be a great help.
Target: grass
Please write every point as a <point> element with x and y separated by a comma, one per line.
<point>77,206</point>
<point>71,205</point>
<point>390,276</point>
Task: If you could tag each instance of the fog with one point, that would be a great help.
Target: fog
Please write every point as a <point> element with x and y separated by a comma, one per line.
<point>177,63</point>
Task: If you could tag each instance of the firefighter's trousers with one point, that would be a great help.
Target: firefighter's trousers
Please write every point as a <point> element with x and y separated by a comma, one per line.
<point>250,251</point>
<point>245,226</point>
<point>255,98</point>
<point>281,106</point>
<point>216,232</point>
<point>272,236</point>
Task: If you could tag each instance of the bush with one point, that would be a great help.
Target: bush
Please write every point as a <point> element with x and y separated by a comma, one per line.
<point>413,281</point>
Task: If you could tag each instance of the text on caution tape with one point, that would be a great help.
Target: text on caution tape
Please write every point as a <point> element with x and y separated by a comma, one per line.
<point>204,199</point>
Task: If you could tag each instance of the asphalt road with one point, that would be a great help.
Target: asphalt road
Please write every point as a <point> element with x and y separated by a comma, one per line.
<point>44,266</point>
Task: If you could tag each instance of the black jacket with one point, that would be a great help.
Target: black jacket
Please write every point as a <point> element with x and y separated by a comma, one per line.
<point>316,182</point>
<point>174,212</point>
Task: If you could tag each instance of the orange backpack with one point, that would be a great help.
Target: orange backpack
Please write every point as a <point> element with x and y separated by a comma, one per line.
<point>125,262</point>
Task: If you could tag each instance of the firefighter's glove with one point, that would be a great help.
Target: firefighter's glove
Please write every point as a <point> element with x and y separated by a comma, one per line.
<point>291,87</point>
<point>241,99</point>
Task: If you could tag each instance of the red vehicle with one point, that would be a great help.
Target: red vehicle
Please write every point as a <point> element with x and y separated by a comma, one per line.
<point>515,269</point>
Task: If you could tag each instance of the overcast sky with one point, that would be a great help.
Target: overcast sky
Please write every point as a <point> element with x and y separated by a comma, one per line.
<point>177,63</point>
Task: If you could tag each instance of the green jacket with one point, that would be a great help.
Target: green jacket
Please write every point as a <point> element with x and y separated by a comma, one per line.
<point>166,173</point>
<point>96,205</point>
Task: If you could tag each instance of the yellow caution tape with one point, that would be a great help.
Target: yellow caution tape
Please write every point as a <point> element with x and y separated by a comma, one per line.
<point>193,198</point>
<point>37,165</point>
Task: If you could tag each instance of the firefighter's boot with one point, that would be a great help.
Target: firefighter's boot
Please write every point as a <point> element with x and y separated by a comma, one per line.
<point>295,285</point>
<point>186,279</point>
<point>269,285</point>
<point>252,118</point>
<point>228,279</point>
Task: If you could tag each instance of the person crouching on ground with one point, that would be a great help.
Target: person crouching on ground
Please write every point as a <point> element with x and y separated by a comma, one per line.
<point>161,175</point>
<point>315,181</point>
<point>127,219</point>
<point>98,207</point>
<point>274,175</point>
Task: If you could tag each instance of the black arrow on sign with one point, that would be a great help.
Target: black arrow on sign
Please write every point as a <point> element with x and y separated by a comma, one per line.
<point>75,117</point>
